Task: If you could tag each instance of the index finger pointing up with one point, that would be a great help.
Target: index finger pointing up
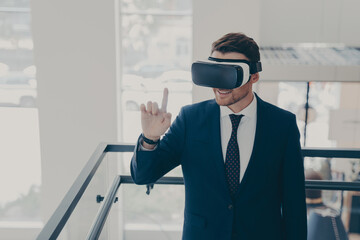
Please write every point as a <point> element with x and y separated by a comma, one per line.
<point>164,100</point>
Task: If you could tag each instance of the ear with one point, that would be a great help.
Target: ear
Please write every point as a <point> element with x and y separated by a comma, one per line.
<point>254,77</point>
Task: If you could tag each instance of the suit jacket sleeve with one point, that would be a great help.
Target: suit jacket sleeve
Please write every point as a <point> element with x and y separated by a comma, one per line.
<point>148,166</point>
<point>293,189</point>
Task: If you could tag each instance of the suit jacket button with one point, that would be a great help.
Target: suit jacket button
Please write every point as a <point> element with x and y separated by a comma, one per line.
<point>230,207</point>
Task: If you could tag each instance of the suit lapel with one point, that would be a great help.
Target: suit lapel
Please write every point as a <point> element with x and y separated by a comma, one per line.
<point>216,148</point>
<point>259,141</point>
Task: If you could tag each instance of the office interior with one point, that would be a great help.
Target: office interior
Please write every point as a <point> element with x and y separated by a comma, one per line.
<point>74,73</point>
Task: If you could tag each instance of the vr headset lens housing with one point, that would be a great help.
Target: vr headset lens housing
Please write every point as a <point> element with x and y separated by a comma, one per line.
<point>222,73</point>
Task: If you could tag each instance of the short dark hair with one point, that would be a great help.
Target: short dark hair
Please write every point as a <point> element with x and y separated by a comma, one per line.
<point>237,42</point>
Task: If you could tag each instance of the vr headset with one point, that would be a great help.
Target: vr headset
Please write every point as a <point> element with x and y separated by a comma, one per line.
<point>223,73</point>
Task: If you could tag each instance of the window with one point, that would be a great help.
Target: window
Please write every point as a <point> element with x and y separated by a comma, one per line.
<point>20,175</point>
<point>156,48</point>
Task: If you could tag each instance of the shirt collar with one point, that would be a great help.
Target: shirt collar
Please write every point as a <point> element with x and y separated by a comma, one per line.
<point>249,111</point>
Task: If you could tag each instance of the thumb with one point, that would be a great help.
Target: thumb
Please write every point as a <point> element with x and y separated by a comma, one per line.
<point>167,118</point>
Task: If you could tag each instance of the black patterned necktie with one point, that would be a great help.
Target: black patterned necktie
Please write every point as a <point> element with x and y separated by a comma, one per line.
<point>232,160</point>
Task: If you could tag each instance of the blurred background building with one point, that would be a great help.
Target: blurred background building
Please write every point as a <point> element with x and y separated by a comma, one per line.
<point>74,73</point>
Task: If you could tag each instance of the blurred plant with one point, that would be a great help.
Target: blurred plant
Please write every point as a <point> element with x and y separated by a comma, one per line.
<point>26,207</point>
<point>355,170</point>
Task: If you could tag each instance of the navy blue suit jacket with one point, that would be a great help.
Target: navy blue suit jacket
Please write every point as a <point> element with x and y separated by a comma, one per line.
<point>270,203</point>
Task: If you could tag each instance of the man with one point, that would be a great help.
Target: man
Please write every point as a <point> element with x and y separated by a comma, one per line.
<point>240,157</point>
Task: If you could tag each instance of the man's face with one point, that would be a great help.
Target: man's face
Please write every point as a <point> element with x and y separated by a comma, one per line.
<point>227,97</point>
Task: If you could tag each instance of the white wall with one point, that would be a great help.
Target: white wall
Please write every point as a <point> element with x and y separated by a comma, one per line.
<point>74,45</point>
<point>293,21</point>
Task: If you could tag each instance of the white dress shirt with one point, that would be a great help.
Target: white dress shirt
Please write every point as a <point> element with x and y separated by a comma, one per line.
<point>245,132</point>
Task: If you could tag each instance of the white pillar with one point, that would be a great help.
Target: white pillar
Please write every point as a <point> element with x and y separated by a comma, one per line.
<point>75,56</point>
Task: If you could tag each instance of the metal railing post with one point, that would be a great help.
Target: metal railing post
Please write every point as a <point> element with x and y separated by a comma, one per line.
<point>104,210</point>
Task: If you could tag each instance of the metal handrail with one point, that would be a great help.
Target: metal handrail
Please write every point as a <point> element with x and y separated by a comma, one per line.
<point>104,210</point>
<point>55,224</point>
<point>331,152</point>
<point>61,215</point>
<point>309,184</point>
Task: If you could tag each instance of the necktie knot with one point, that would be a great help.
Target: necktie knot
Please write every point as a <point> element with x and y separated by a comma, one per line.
<point>235,120</point>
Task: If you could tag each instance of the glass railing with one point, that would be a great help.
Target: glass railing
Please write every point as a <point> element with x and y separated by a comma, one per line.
<point>88,210</point>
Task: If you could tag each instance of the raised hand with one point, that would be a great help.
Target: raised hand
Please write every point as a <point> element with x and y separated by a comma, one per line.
<point>155,121</point>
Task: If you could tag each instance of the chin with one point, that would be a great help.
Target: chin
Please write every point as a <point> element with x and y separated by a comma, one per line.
<point>223,102</point>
